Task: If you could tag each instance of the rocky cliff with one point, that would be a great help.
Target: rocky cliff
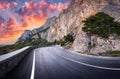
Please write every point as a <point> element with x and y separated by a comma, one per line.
<point>27,34</point>
<point>70,21</point>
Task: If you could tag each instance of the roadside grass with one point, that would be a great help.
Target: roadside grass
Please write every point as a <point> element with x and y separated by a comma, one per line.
<point>115,52</point>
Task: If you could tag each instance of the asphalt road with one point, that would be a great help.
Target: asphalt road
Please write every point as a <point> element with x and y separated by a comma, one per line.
<point>57,63</point>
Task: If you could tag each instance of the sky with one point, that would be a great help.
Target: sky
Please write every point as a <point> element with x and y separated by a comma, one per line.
<point>16,16</point>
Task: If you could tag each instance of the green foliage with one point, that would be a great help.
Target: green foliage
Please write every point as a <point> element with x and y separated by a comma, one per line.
<point>115,52</point>
<point>11,48</point>
<point>101,24</point>
<point>29,42</point>
<point>42,42</point>
<point>61,42</point>
<point>90,45</point>
<point>35,42</point>
<point>67,38</point>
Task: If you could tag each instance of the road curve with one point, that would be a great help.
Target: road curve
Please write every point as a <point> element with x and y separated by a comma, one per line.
<point>57,63</point>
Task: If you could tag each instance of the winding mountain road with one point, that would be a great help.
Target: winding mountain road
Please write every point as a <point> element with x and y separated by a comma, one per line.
<point>57,63</point>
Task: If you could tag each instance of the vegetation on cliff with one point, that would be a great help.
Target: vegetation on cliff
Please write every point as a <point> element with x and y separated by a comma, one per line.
<point>67,39</point>
<point>101,24</point>
<point>11,48</point>
<point>113,52</point>
<point>38,42</point>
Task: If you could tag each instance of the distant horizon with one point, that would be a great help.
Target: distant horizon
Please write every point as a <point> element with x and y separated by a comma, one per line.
<point>26,15</point>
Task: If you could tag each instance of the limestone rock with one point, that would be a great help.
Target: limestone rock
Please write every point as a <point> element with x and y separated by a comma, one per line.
<point>70,21</point>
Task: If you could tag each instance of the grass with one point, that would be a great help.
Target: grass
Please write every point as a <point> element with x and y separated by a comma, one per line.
<point>115,52</point>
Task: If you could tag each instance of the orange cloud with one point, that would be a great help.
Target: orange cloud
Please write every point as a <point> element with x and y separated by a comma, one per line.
<point>11,34</point>
<point>31,15</point>
<point>31,22</point>
<point>10,37</point>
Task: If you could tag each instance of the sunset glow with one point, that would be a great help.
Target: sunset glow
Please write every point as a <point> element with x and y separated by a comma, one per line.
<point>15,19</point>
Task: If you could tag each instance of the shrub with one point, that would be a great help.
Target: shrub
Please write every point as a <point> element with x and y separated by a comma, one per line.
<point>101,24</point>
<point>69,38</point>
<point>113,52</point>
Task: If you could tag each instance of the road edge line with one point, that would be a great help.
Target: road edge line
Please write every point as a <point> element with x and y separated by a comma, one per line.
<point>99,67</point>
<point>33,67</point>
<point>92,56</point>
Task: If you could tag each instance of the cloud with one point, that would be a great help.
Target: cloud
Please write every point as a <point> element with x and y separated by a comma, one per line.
<point>34,14</point>
<point>31,15</point>
<point>11,34</point>
<point>52,6</point>
<point>10,37</point>
<point>41,8</point>
<point>7,27</point>
<point>4,5</point>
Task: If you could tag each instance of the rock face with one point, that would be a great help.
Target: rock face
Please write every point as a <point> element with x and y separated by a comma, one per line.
<point>70,21</point>
<point>27,34</point>
<point>24,36</point>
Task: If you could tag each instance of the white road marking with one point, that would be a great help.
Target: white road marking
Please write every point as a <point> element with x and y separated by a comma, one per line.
<point>99,67</point>
<point>93,56</point>
<point>33,67</point>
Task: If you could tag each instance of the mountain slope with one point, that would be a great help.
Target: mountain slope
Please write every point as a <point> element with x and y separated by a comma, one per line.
<point>70,21</point>
<point>27,34</point>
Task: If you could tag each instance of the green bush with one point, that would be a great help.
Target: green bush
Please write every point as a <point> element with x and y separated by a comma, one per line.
<point>113,52</point>
<point>69,38</point>
<point>101,24</point>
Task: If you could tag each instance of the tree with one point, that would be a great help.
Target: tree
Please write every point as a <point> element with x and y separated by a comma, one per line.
<point>101,24</point>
